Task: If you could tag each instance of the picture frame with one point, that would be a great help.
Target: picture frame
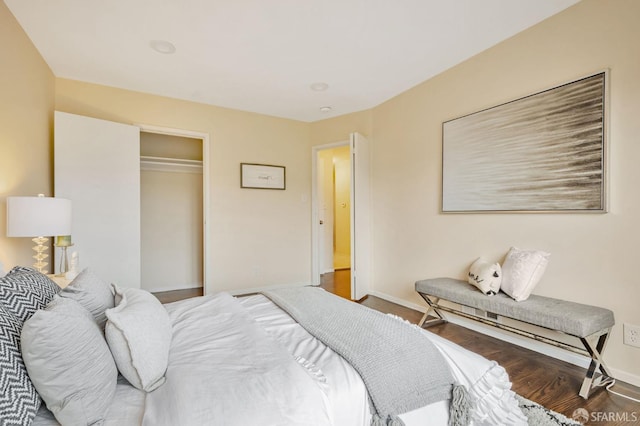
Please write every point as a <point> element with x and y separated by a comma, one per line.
<point>545,152</point>
<point>262,176</point>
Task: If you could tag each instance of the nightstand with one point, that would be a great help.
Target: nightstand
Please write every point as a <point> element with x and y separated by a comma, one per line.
<point>61,281</point>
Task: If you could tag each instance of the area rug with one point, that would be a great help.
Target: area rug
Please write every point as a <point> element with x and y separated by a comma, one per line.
<point>537,415</point>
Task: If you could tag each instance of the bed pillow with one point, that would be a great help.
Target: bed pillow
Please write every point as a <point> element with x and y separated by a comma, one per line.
<point>139,331</point>
<point>522,271</point>
<point>92,293</point>
<point>69,362</point>
<point>19,400</point>
<point>24,290</point>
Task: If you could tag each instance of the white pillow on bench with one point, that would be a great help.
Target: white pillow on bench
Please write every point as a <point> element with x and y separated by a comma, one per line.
<point>521,272</point>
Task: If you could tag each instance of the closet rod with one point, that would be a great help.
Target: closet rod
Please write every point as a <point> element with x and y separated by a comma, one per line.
<point>162,164</point>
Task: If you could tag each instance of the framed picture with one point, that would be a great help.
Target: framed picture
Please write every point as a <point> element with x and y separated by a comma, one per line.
<point>262,176</point>
<point>541,153</point>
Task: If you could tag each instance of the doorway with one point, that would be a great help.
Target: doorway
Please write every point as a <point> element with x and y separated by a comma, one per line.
<point>340,185</point>
<point>334,202</point>
<point>334,181</point>
<point>173,208</point>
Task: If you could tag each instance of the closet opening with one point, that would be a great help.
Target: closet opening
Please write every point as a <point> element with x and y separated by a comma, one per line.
<point>172,206</point>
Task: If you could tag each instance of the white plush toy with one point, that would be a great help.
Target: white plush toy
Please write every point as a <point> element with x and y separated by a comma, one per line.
<point>486,276</point>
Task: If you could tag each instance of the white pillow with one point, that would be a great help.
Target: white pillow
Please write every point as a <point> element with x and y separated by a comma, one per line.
<point>486,276</point>
<point>69,362</point>
<point>139,332</point>
<point>521,272</point>
<point>92,293</point>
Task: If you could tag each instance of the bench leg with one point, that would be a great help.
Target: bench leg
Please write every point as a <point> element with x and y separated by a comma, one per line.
<point>597,374</point>
<point>433,311</point>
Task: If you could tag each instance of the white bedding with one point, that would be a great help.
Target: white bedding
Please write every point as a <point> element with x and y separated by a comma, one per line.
<point>219,340</point>
<point>488,383</point>
<point>224,369</point>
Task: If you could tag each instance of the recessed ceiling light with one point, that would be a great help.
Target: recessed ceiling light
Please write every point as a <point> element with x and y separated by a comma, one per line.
<point>319,87</point>
<point>325,109</point>
<point>162,46</point>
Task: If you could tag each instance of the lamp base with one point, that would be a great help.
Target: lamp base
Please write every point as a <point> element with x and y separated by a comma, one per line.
<point>40,255</point>
<point>64,260</point>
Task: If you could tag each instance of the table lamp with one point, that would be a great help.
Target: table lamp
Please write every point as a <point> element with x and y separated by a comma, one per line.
<point>38,217</point>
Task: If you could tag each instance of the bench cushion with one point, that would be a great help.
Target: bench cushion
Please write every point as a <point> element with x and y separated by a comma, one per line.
<point>572,318</point>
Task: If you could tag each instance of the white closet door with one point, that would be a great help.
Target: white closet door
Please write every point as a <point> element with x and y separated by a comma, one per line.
<point>97,167</point>
<point>360,218</point>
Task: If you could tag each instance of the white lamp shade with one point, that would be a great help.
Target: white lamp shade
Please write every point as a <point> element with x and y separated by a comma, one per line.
<point>38,216</point>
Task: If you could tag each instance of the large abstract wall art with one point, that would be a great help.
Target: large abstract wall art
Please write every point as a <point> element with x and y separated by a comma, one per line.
<point>541,153</point>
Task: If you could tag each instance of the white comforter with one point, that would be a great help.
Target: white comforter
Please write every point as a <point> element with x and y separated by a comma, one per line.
<point>487,382</point>
<point>246,362</point>
<point>224,369</point>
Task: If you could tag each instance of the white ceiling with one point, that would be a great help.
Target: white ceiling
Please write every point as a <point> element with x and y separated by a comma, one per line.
<point>263,55</point>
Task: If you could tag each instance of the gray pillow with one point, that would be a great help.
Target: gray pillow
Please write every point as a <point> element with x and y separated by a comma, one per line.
<point>92,293</point>
<point>69,362</point>
<point>139,335</point>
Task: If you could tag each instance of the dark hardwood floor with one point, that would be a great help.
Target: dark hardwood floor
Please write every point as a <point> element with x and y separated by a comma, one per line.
<point>545,380</point>
<point>175,295</point>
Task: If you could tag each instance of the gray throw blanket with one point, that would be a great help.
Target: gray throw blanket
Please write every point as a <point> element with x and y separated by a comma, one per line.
<point>400,367</point>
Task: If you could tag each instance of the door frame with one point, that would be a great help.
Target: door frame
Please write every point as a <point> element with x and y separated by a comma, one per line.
<point>315,208</point>
<point>206,170</point>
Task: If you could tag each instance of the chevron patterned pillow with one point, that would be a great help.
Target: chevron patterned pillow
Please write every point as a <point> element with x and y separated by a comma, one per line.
<point>24,290</point>
<point>19,401</point>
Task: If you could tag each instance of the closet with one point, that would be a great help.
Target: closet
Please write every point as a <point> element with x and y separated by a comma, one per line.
<point>138,200</point>
<point>171,223</point>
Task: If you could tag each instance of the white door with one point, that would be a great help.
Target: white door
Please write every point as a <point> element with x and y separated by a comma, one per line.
<point>360,217</point>
<point>97,167</point>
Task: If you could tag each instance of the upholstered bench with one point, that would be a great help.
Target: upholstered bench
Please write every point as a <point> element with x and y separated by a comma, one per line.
<point>590,324</point>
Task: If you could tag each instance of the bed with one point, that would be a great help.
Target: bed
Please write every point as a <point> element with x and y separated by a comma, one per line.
<point>245,361</point>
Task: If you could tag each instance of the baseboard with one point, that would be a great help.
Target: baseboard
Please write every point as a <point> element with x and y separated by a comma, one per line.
<point>624,376</point>
<point>549,350</point>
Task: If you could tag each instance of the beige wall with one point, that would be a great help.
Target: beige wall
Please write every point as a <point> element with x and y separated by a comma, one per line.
<point>258,237</point>
<point>338,129</point>
<point>26,123</point>
<point>594,256</point>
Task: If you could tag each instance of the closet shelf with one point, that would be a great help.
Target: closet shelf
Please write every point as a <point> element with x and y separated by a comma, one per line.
<point>176,165</point>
